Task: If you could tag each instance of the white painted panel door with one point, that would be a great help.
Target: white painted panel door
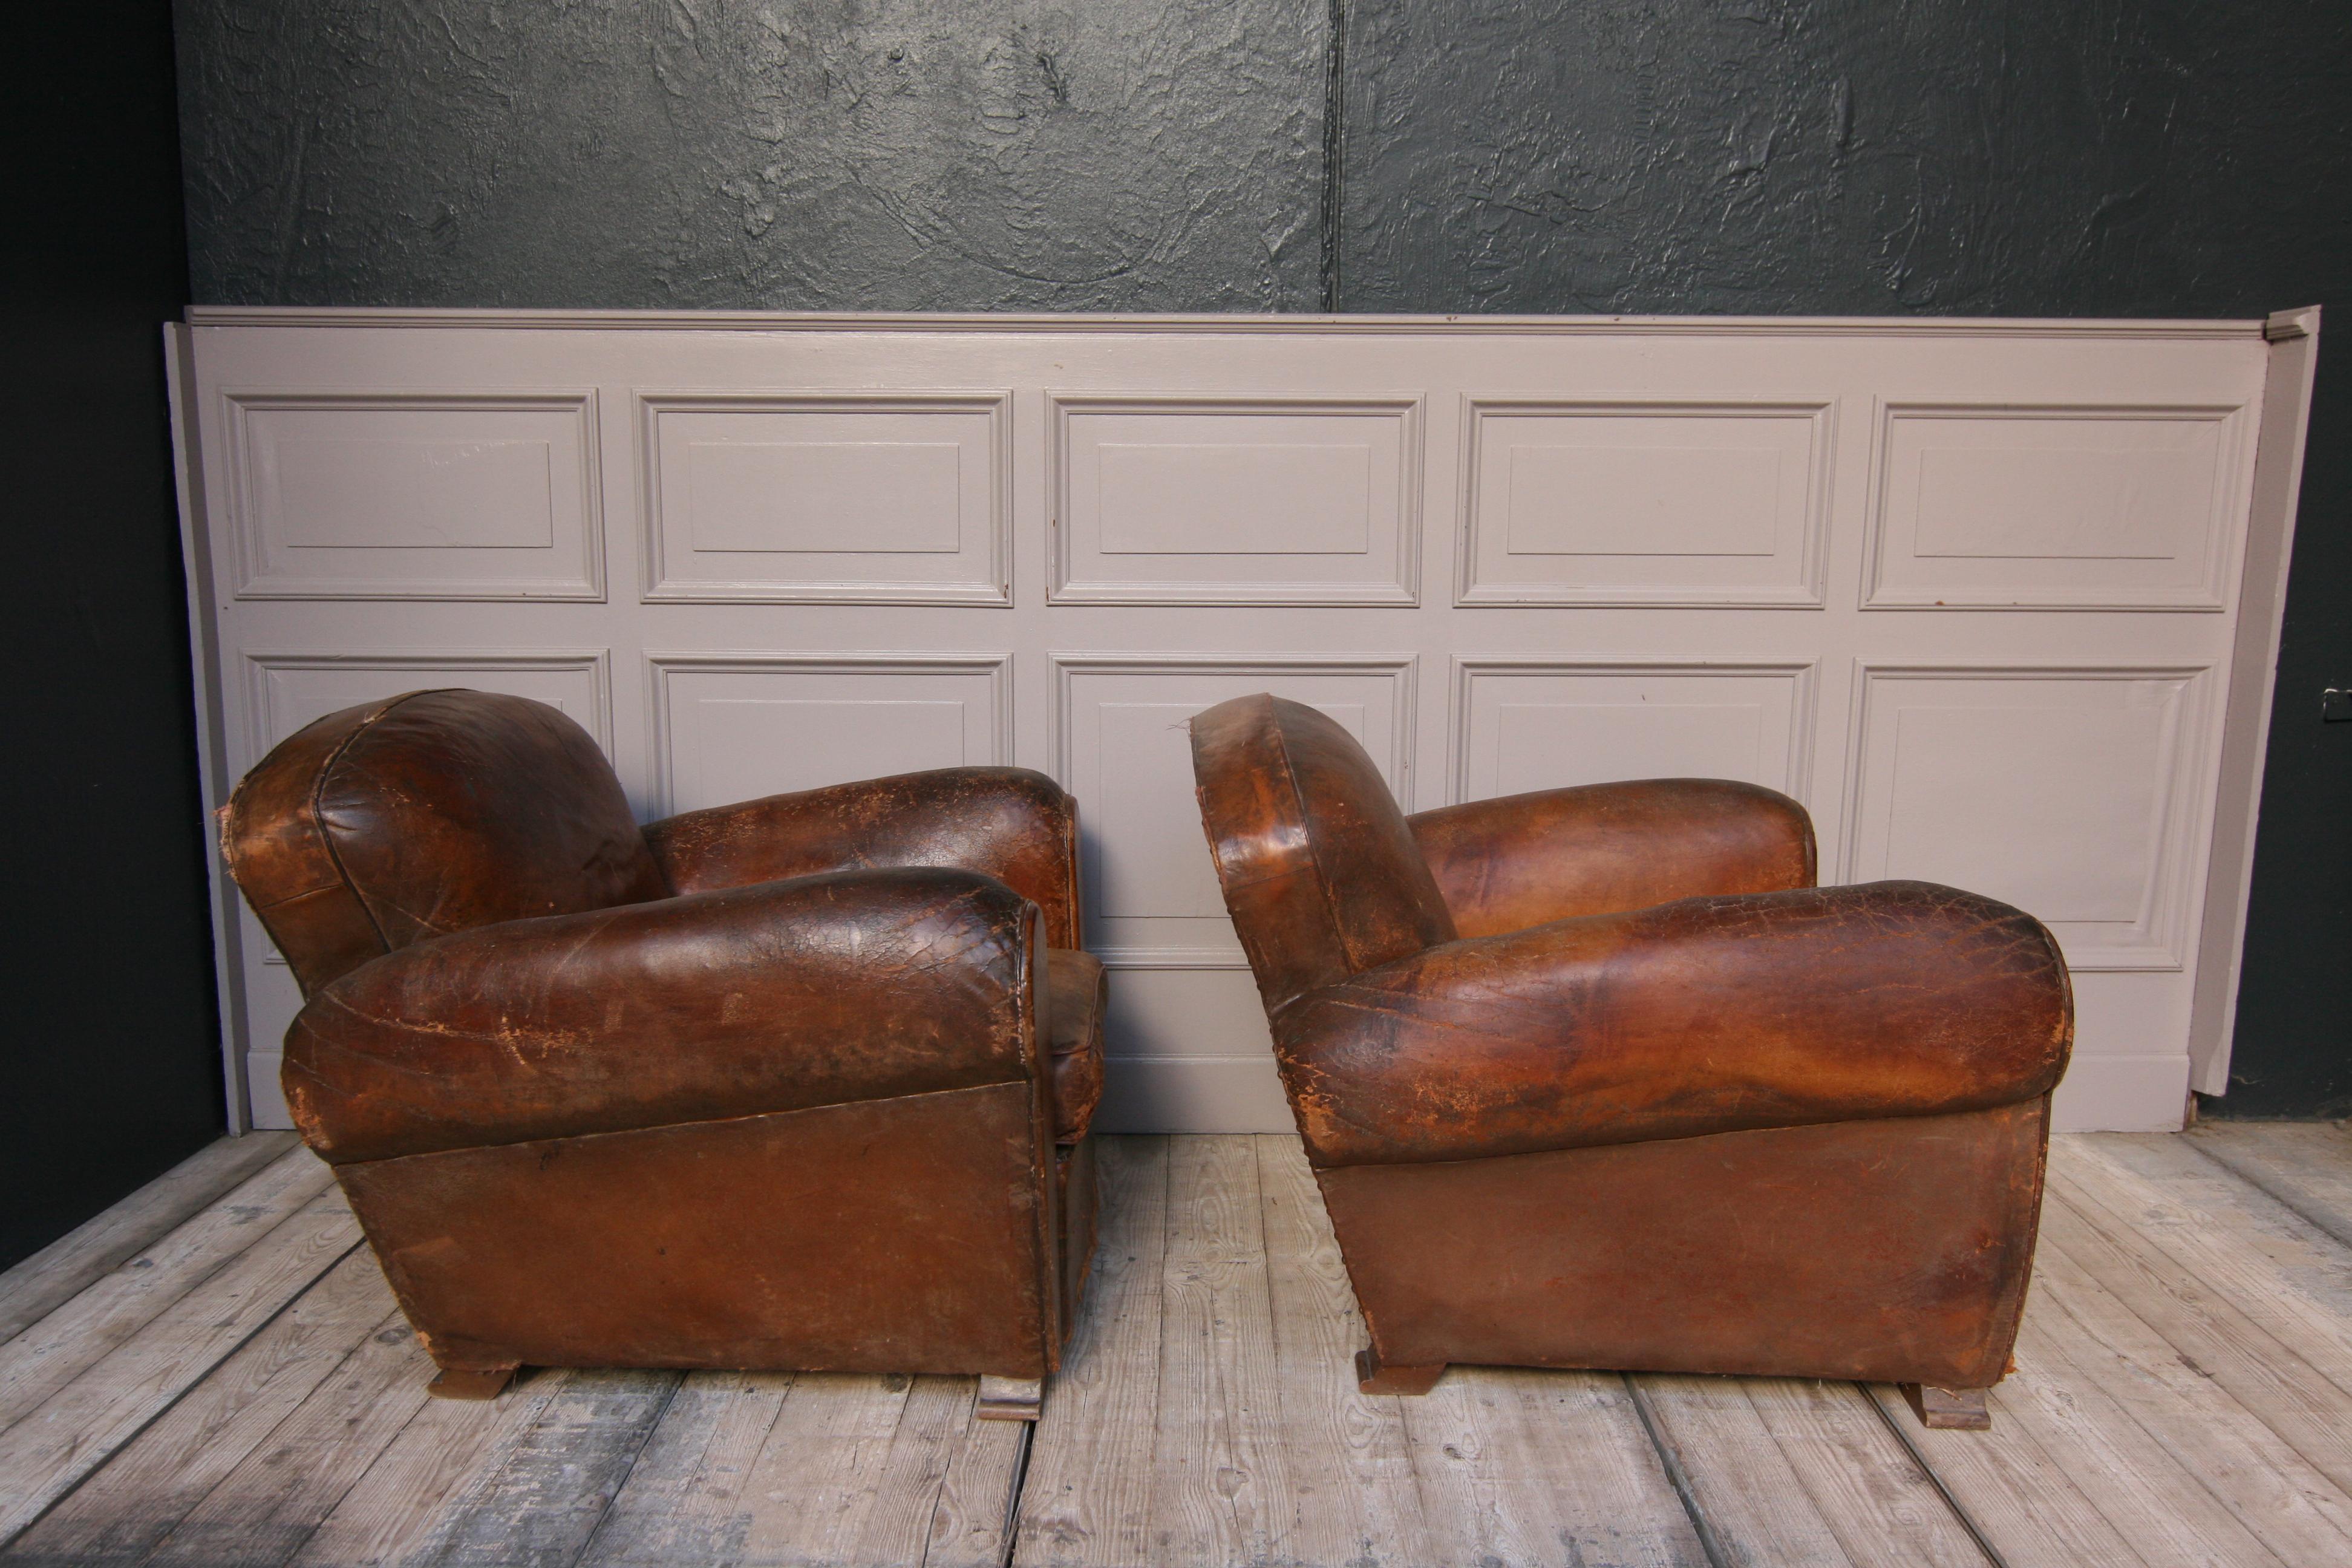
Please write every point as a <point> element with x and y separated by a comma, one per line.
<point>1969,590</point>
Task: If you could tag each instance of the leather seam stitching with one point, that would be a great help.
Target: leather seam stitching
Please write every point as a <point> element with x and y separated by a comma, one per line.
<point>665,1126</point>
<point>1322,874</point>
<point>319,820</point>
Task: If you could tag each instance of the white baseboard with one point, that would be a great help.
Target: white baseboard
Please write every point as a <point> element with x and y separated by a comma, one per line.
<point>1192,1094</point>
<point>269,1098</point>
<point>2123,1094</point>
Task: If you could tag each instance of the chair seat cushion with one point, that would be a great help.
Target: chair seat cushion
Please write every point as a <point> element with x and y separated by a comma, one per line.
<point>1073,1029</point>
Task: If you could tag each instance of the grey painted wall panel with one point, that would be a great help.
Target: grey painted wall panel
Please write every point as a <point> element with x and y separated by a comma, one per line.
<point>1135,156</point>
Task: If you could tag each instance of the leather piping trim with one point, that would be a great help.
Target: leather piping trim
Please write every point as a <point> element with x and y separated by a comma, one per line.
<point>1475,1159</point>
<point>664,1126</point>
<point>490,1140</point>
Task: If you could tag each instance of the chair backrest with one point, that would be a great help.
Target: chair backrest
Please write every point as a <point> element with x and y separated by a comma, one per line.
<point>1319,869</point>
<point>397,821</point>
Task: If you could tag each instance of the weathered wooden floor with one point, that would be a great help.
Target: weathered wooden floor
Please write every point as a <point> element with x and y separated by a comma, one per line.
<point>212,1373</point>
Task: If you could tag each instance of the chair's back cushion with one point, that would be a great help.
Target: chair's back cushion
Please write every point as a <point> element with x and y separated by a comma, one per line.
<point>394,822</point>
<point>1319,869</point>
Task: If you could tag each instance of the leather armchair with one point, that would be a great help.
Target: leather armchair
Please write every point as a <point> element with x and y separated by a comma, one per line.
<point>1598,1077</point>
<point>802,1083</point>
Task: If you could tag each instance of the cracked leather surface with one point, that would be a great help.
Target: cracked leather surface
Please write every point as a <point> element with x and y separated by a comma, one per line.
<point>1700,1015</point>
<point>1014,824</point>
<point>1763,1003</point>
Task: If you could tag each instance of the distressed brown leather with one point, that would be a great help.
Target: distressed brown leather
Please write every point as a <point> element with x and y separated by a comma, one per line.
<point>1075,995</point>
<point>1889,1250</point>
<point>902,1235</point>
<point>1732,1124</point>
<point>433,812</point>
<point>1075,1173</point>
<point>1319,866</point>
<point>1508,864</point>
<point>1701,1016</point>
<point>773,997</point>
<point>820,1109</point>
<point>1016,826</point>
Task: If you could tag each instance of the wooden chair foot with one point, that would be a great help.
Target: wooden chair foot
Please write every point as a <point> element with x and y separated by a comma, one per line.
<point>471,1382</point>
<point>1010,1398</point>
<point>1373,1376</point>
<point>1948,1409</point>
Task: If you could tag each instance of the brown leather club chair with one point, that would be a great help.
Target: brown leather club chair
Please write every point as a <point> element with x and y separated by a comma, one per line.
<point>1598,1077</point>
<point>802,1083</point>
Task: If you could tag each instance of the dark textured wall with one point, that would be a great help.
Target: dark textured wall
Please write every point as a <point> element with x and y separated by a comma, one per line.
<point>1116,155</point>
<point>2064,157</point>
<point>1850,156</point>
<point>112,1046</point>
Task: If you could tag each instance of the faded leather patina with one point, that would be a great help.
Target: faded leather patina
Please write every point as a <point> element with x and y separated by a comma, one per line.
<point>781,1086</point>
<point>1598,1077</point>
<point>1010,822</point>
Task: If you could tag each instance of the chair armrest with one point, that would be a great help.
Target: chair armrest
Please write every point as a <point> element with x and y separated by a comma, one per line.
<point>1016,824</point>
<point>818,991</point>
<point>1703,1016</point>
<point>1528,859</point>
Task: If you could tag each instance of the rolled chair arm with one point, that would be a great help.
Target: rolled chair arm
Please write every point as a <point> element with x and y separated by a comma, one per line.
<point>1527,860</point>
<point>817,991</point>
<point>1703,1016</point>
<point>1016,824</point>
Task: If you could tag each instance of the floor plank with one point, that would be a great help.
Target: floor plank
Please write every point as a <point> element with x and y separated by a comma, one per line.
<point>150,1487</point>
<point>1885,1509</point>
<point>1221,1490</point>
<point>242,1391</point>
<point>53,1446</point>
<point>812,1492</point>
<point>2188,1194</point>
<point>268,1509</point>
<point>2019,1495</point>
<point>972,1519</point>
<point>2295,1510</point>
<point>2211,1336</point>
<point>684,1501</point>
<point>1756,1508</point>
<point>41,1283</point>
<point>914,1518</point>
<point>2281,1272</point>
<point>817,1468</point>
<point>1357,1500</point>
<point>1088,1495</point>
<point>428,1471</point>
<point>1543,1466</point>
<point>539,1504</point>
<point>1784,1470</point>
<point>2306,1165</point>
<point>2163,1511</point>
<point>83,1330</point>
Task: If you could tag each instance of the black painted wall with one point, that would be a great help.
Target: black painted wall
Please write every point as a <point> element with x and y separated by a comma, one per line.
<point>111,1048</point>
<point>1116,154</point>
<point>2016,157</point>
